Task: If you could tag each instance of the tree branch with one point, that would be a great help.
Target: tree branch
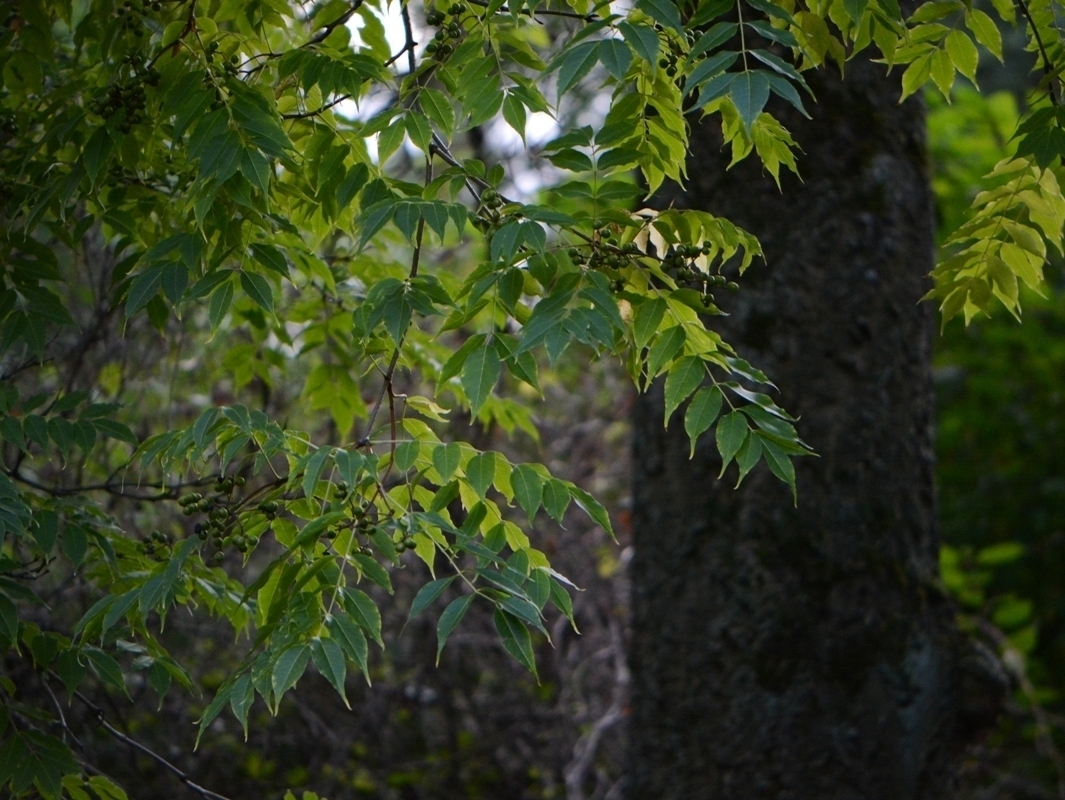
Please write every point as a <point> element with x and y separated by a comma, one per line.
<point>122,737</point>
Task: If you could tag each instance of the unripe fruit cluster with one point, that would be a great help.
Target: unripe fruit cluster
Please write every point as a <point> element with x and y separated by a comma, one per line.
<point>130,98</point>
<point>219,524</point>
<point>679,264</point>
<point>441,46</point>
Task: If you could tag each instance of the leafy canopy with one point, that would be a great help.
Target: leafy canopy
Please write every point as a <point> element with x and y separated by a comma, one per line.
<point>273,191</point>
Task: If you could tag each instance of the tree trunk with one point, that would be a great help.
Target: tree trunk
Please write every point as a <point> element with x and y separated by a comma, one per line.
<point>808,652</point>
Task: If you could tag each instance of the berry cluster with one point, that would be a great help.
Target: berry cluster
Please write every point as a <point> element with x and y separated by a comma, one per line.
<point>157,540</point>
<point>441,46</point>
<point>132,12</point>
<point>128,98</point>
<point>491,202</point>
<point>608,256</point>
<point>671,57</point>
<point>221,524</point>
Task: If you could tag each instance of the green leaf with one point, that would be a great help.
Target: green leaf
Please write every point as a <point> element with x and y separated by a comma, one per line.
<point>779,464</point>
<point>256,170</point>
<point>683,379</point>
<point>643,40</point>
<point>748,455</point>
<point>556,499</point>
<point>479,375</point>
<point>115,430</point>
<point>175,280</point>
<point>480,472</point>
<point>144,288</point>
<point>351,640</point>
<point>645,323</point>
<point>985,30</point>
<point>8,621</point>
<point>105,789</point>
<point>446,459</point>
<point>592,508</point>
<point>528,488</point>
<point>515,638</point>
<point>106,668</point>
<point>454,365</point>
<point>329,659</point>
<point>35,428</point>
<point>75,543</point>
<point>575,64</point>
<point>663,11</point>
<point>915,75</point>
<point>963,53</point>
<point>701,413</point>
<point>449,620</point>
<point>365,612</point>
<point>313,471</point>
<point>221,298</point>
<point>515,113</point>
<point>731,431</point>
<point>664,349</point>
<point>270,257</point>
<point>372,570</point>
<point>942,72</point>
<point>62,433</point>
<point>288,669</point>
<point>406,455</point>
<point>439,109</point>
<point>96,153</point>
<point>616,57</point>
<point>749,92</point>
<point>855,9</point>
<point>225,692</point>
<point>258,289</point>
<point>428,594</point>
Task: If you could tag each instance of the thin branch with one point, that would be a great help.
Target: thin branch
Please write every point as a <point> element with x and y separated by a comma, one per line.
<point>62,717</point>
<point>386,387</point>
<point>585,750</point>
<point>540,12</point>
<point>1048,66</point>
<point>115,732</point>
<point>332,26</point>
<point>408,30</point>
<point>168,491</point>
<point>326,107</point>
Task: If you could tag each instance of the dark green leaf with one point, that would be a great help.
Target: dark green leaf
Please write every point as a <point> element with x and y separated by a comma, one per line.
<point>701,413</point>
<point>428,594</point>
<point>480,472</point>
<point>258,289</point>
<point>749,92</point>
<point>615,56</point>
<point>329,659</point>
<point>731,431</point>
<point>449,620</point>
<point>516,639</point>
<point>288,669</point>
<point>528,488</point>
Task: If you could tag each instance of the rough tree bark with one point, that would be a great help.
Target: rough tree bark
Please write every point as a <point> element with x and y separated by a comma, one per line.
<point>783,652</point>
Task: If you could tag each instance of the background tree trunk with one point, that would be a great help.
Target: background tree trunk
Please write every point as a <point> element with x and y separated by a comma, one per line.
<point>808,652</point>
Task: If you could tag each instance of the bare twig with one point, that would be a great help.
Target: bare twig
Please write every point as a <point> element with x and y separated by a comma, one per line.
<point>122,737</point>
<point>585,750</point>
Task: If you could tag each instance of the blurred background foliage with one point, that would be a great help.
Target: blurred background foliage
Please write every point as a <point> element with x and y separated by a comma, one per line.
<point>1001,474</point>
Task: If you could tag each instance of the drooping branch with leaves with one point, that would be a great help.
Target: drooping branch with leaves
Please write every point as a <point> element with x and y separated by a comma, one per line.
<point>276,196</point>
